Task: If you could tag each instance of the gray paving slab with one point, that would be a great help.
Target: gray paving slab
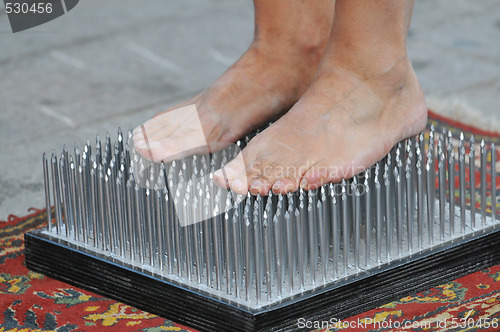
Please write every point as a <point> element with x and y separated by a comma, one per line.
<point>478,35</point>
<point>432,15</point>
<point>443,68</point>
<point>95,19</point>
<point>21,179</point>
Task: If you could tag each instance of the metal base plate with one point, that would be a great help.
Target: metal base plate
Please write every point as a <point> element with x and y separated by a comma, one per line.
<point>49,256</point>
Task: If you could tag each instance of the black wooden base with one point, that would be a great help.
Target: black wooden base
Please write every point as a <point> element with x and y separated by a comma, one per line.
<point>190,308</point>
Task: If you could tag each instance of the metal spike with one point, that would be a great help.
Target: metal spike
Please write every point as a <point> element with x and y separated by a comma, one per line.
<point>442,193</point>
<point>493,161</point>
<point>420,198</point>
<point>357,222</point>
<point>451,187</point>
<point>169,220</point>
<point>228,254</point>
<point>335,230</point>
<point>410,204</point>
<point>311,231</point>
<point>98,149</point>
<point>249,262</point>
<point>196,240</point>
<point>449,141</point>
<point>462,184</point>
<point>216,228</point>
<point>369,217</point>
<point>389,194</point>
<point>65,193</point>
<point>57,193</point>
<point>483,182</point>
<point>208,244</point>
<point>86,168</point>
<point>257,247</point>
<point>345,226</point>
<point>279,252</point>
<point>266,246</point>
<point>139,216</point>
<point>300,248</point>
<point>431,197</point>
<point>399,209</point>
<point>321,207</point>
<point>94,203</point>
<point>187,231</point>
<point>82,188</point>
<point>291,248</point>
<point>77,157</point>
<point>472,180</point>
<point>109,207</point>
<point>300,217</point>
<point>120,209</point>
<point>379,214</point>
<point>120,139</point>
<point>130,219</point>
<point>102,207</point>
<point>67,160</point>
<point>238,222</point>
<point>46,182</point>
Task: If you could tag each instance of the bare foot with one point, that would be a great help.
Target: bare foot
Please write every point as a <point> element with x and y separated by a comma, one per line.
<point>261,86</point>
<point>344,123</point>
<point>364,99</point>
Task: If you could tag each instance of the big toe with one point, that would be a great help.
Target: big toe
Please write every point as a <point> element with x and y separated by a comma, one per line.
<point>233,176</point>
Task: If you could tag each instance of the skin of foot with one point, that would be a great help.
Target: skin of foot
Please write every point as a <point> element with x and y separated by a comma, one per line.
<point>363,101</point>
<point>290,38</point>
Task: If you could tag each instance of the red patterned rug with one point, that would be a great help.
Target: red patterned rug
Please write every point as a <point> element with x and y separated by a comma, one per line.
<point>32,302</point>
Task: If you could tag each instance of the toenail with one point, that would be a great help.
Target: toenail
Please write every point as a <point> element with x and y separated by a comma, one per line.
<point>219,178</point>
<point>289,188</point>
<point>303,184</point>
<point>218,173</point>
<point>256,185</point>
<point>278,185</point>
<point>237,185</point>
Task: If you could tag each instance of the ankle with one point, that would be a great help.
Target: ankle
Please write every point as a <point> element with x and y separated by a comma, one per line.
<point>305,46</point>
<point>390,72</point>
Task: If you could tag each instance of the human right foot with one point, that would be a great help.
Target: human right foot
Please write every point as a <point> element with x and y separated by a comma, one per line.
<point>260,87</point>
<point>343,124</point>
<point>364,99</point>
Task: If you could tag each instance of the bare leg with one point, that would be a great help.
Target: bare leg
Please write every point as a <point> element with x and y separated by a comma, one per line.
<point>289,41</point>
<point>364,99</point>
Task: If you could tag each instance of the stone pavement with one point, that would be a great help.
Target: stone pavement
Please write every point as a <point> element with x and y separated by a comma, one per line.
<point>115,63</point>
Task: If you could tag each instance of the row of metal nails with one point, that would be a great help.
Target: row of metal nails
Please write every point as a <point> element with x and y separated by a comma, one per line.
<point>265,248</point>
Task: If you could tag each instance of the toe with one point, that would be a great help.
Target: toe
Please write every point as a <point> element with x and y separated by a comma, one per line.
<point>155,152</point>
<point>284,186</point>
<point>315,177</point>
<point>239,186</point>
<point>260,186</point>
<point>220,179</point>
<point>233,176</point>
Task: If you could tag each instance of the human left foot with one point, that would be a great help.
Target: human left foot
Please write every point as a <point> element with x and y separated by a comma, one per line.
<point>345,122</point>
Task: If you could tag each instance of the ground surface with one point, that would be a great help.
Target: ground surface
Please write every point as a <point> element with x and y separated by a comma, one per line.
<point>117,62</point>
